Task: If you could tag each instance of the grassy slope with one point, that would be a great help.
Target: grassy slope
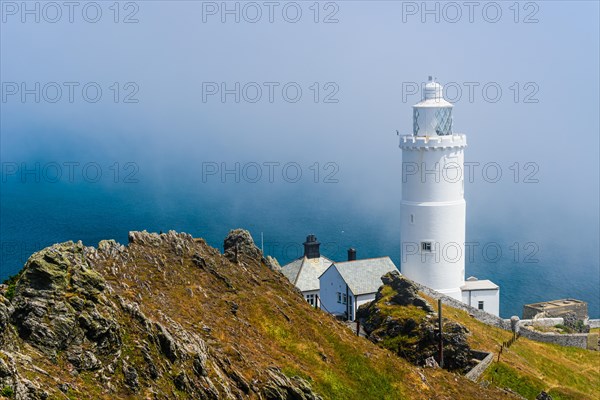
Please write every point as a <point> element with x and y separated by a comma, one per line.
<point>529,367</point>
<point>273,326</point>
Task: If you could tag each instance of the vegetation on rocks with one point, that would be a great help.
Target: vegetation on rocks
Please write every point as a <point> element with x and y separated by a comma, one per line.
<point>405,323</point>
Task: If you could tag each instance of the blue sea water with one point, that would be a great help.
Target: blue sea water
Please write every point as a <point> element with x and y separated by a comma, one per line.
<point>35,215</point>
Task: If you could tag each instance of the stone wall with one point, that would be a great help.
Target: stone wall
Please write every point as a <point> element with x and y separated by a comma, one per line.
<point>594,323</point>
<point>571,339</point>
<point>593,342</point>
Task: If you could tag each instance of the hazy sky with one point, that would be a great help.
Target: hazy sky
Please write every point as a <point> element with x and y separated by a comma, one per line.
<point>161,107</point>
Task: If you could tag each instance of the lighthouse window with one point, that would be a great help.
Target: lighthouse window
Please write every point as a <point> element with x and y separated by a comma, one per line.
<point>425,246</point>
<point>443,117</point>
<point>415,123</point>
<point>412,218</point>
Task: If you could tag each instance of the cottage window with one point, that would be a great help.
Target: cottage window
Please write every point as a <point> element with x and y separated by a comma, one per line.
<point>480,305</point>
<point>310,298</point>
<point>339,297</point>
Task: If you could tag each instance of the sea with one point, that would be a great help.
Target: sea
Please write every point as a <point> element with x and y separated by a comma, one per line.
<point>34,215</point>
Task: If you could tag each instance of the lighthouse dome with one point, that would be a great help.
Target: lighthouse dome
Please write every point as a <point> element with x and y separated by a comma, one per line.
<point>432,116</point>
<point>433,90</point>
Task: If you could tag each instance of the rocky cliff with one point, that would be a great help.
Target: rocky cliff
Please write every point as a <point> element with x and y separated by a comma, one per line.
<point>169,317</point>
<point>61,309</point>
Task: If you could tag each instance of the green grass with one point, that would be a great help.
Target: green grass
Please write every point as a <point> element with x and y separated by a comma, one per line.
<point>355,376</point>
<point>404,312</point>
<point>397,343</point>
<point>345,372</point>
<point>11,282</point>
<point>502,375</point>
<point>505,376</point>
<point>7,391</point>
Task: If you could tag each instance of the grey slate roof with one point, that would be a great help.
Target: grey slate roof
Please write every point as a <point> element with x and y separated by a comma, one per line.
<point>304,272</point>
<point>292,269</point>
<point>364,276</point>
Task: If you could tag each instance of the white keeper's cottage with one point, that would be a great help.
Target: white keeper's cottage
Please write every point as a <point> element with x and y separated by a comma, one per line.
<point>336,287</point>
<point>304,272</point>
<point>345,286</point>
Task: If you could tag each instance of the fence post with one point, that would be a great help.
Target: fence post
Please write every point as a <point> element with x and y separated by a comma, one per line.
<point>441,343</point>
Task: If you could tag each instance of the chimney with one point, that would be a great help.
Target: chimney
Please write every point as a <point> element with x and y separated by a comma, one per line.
<point>311,247</point>
<point>351,254</point>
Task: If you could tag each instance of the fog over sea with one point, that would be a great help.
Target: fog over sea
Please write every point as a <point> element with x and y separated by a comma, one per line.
<point>168,115</point>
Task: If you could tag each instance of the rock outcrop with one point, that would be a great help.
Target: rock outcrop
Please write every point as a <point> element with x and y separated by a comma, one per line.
<point>63,310</point>
<point>402,321</point>
<point>543,396</point>
<point>238,244</point>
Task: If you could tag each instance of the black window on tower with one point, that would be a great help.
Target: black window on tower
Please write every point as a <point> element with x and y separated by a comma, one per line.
<point>426,246</point>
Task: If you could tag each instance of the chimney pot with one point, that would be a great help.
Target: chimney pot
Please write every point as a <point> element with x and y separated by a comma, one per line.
<point>311,247</point>
<point>351,254</point>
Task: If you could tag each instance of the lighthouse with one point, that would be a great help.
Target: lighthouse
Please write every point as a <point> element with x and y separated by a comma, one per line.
<point>433,208</point>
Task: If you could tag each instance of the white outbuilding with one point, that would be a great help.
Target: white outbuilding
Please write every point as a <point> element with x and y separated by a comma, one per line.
<point>481,294</point>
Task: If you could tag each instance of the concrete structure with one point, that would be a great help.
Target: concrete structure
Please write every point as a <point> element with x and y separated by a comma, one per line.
<point>304,272</point>
<point>481,294</point>
<point>433,208</point>
<point>485,360</point>
<point>345,286</point>
<point>556,309</point>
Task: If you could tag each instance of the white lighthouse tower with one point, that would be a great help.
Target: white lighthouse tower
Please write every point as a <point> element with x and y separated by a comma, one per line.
<point>433,206</point>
